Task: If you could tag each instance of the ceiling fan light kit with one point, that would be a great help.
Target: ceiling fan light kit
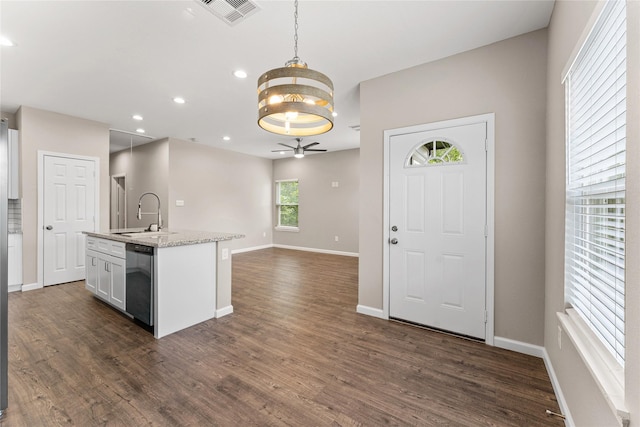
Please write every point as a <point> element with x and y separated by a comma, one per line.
<point>295,100</point>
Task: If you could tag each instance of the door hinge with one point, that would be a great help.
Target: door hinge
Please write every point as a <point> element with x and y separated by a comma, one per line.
<point>486,316</point>
<point>486,231</point>
<point>486,144</point>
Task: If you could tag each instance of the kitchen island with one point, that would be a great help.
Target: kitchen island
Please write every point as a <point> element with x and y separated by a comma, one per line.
<point>189,274</point>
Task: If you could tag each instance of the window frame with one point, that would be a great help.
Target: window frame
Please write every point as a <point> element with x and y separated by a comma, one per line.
<point>607,371</point>
<point>279,226</point>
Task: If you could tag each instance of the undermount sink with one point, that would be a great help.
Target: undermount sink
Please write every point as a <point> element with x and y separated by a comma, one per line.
<point>143,233</point>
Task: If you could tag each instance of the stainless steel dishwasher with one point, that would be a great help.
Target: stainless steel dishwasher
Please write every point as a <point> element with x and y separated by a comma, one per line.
<point>139,282</point>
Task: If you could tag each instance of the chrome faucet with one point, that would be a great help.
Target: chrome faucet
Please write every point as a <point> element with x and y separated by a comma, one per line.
<point>140,213</point>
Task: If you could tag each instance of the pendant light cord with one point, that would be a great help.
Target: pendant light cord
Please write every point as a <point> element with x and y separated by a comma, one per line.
<point>295,37</point>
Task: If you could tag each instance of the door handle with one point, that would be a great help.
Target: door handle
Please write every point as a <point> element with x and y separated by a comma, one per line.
<point>393,241</point>
<point>49,227</point>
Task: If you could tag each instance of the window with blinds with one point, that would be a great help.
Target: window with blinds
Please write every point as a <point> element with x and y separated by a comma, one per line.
<point>595,188</point>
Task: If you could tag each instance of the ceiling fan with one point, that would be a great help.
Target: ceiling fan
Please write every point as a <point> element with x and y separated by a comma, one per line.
<point>300,150</point>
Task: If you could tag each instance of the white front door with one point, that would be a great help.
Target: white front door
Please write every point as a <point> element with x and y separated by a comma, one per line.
<point>68,210</point>
<point>437,219</point>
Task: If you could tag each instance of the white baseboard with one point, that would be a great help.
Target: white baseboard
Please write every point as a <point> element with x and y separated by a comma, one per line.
<point>519,346</point>
<point>224,311</point>
<point>541,352</point>
<point>564,409</point>
<point>253,248</point>
<point>15,288</point>
<point>370,311</point>
<point>31,287</point>
<point>321,251</point>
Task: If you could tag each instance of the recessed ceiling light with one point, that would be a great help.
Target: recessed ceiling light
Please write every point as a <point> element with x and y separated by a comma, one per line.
<point>334,114</point>
<point>241,74</point>
<point>140,130</point>
<point>137,117</point>
<point>178,100</point>
<point>226,138</point>
<point>6,42</point>
<point>282,153</point>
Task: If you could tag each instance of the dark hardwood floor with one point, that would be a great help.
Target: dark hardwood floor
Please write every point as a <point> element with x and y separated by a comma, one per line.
<point>294,352</point>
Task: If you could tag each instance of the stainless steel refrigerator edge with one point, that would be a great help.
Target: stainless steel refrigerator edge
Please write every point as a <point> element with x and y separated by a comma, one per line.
<point>4,274</point>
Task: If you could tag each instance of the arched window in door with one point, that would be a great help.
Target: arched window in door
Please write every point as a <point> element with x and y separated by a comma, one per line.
<point>435,152</point>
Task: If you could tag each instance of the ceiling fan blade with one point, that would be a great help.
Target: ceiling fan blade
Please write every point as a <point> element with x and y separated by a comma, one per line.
<point>310,145</point>
<point>282,143</point>
<point>278,151</point>
<point>315,149</point>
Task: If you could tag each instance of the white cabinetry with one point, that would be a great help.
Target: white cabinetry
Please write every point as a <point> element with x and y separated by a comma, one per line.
<point>91,281</point>
<point>14,260</point>
<point>14,164</point>
<point>106,270</point>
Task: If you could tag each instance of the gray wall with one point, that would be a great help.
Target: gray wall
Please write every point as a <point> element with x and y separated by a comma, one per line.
<point>325,211</point>
<point>146,168</point>
<point>54,132</point>
<point>222,191</point>
<point>509,79</point>
<point>586,404</point>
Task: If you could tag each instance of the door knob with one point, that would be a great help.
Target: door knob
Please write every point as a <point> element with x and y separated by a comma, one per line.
<point>393,241</point>
<point>394,228</point>
<point>49,227</point>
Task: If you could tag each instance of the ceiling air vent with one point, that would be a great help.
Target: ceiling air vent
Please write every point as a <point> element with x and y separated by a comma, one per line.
<point>230,11</point>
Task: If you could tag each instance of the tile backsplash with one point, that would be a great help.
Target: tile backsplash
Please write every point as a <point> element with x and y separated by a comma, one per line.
<point>15,216</point>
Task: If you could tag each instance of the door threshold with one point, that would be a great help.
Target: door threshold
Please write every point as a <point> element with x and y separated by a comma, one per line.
<point>433,329</point>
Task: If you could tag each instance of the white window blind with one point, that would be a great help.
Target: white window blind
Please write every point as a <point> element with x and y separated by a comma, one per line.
<point>595,190</point>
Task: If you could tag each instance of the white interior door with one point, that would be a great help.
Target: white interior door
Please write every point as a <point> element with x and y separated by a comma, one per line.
<point>68,210</point>
<point>437,216</point>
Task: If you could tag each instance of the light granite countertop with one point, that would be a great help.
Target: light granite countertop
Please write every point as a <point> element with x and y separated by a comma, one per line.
<point>164,238</point>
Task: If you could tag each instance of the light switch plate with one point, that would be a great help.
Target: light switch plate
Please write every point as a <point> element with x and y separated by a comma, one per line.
<point>179,202</point>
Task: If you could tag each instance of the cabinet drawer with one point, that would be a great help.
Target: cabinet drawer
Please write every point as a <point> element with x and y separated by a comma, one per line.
<point>108,247</point>
<point>91,243</point>
<point>117,249</point>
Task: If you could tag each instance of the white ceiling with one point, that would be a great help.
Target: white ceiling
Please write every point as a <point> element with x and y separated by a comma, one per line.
<point>108,60</point>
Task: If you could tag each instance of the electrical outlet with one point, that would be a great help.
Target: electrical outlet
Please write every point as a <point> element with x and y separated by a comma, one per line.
<point>335,184</point>
<point>179,202</point>
<point>336,238</point>
<point>264,234</point>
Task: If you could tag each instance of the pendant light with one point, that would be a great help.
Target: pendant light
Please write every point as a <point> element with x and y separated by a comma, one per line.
<point>295,100</point>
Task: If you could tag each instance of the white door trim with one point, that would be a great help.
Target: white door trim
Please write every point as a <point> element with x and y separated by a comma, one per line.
<point>40,225</point>
<point>489,119</point>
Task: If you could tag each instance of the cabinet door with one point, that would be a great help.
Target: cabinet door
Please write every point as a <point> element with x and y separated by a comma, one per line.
<point>91,281</point>
<point>12,261</point>
<point>14,162</point>
<point>104,277</point>
<point>118,290</point>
